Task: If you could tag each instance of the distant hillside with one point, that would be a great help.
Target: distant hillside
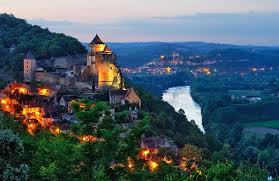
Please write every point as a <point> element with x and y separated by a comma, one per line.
<point>25,37</point>
<point>135,54</point>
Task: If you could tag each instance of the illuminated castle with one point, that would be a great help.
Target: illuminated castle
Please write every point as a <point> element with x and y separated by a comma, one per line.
<point>101,62</point>
<point>98,70</point>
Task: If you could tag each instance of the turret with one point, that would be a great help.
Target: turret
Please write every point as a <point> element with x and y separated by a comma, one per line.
<point>29,66</point>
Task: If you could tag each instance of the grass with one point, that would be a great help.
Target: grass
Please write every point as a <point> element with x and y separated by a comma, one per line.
<point>247,93</point>
<point>268,124</point>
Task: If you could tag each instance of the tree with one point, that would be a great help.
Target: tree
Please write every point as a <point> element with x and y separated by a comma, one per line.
<point>98,174</point>
<point>49,172</point>
<point>191,153</point>
<point>251,172</point>
<point>55,157</point>
<point>221,171</point>
<point>11,147</point>
<point>16,174</point>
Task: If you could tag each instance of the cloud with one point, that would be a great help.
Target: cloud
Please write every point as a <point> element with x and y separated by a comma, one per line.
<point>239,28</point>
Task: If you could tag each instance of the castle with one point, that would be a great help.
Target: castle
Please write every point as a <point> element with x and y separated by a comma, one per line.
<point>98,71</point>
<point>51,86</point>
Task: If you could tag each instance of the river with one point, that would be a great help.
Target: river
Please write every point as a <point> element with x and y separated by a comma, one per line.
<point>180,98</point>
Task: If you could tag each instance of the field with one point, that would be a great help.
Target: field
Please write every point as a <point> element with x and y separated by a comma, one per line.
<point>269,124</point>
<point>260,128</point>
<point>246,93</point>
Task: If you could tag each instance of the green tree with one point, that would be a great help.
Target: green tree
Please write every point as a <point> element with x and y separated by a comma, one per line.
<point>221,171</point>
<point>251,172</point>
<point>11,148</point>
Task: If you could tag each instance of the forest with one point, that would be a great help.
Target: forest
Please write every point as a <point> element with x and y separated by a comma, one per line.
<point>103,153</point>
<point>100,148</point>
<point>24,37</point>
<point>230,120</point>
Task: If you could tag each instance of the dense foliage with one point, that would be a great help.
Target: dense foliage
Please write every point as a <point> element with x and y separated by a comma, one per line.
<point>69,156</point>
<point>25,37</point>
<point>231,119</point>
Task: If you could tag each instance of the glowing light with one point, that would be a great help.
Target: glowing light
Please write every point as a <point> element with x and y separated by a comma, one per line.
<point>145,153</point>
<point>168,161</point>
<point>153,165</point>
<point>88,138</point>
<point>199,171</point>
<point>22,90</point>
<point>55,130</point>
<point>131,164</point>
<point>182,165</point>
<point>4,101</point>
<point>254,69</point>
<point>31,128</point>
<point>99,48</point>
<point>43,92</point>
<point>206,70</point>
<point>168,70</point>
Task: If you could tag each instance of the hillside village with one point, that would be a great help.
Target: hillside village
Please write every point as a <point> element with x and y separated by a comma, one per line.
<point>50,87</point>
<point>51,90</point>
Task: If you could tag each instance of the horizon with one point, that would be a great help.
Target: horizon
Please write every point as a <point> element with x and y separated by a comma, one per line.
<point>242,22</point>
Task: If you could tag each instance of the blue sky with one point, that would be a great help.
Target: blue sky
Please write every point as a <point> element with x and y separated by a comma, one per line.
<point>227,21</point>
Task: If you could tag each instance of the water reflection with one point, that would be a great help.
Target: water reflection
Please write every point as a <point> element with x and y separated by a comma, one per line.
<point>180,98</point>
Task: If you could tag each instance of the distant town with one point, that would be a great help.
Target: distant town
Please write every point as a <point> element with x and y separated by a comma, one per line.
<point>198,65</point>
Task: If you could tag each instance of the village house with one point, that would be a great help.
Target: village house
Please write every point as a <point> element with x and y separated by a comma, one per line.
<point>157,142</point>
<point>123,97</point>
<point>51,85</point>
<point>126,97</point>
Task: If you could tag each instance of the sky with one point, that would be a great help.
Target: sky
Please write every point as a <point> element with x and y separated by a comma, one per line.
<point>226,21</point>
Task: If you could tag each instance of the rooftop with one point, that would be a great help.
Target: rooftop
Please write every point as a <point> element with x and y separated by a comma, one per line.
<point>97,40</point>
<point>29,55</point>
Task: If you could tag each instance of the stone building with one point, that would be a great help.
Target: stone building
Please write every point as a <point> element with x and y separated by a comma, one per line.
<point>123,97</point>
<point>101,66</point>
<point>30,66</point>
<point>99,70</point>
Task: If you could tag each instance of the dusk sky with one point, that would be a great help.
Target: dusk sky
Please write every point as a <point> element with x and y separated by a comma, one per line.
<point>227,21</point>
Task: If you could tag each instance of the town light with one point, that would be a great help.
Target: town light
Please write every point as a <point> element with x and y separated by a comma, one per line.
<point>22,90</point>
<point>166,160</point>
<point>168,70</point>
<point>131,164</point>
<point>145,153</point>
<point>57,130</point>
<point>88,138</point>
<point>30,128</point>
<point>43,92</point>
<point>4,101</point>
<point>153,165</point>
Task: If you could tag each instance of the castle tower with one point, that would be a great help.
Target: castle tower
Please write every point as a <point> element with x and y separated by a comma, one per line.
<point>29,66</point>
<point>101,62</point>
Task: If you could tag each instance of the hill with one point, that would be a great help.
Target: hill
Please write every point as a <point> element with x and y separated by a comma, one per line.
<point>136,54</point>
<point>24,37</point>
